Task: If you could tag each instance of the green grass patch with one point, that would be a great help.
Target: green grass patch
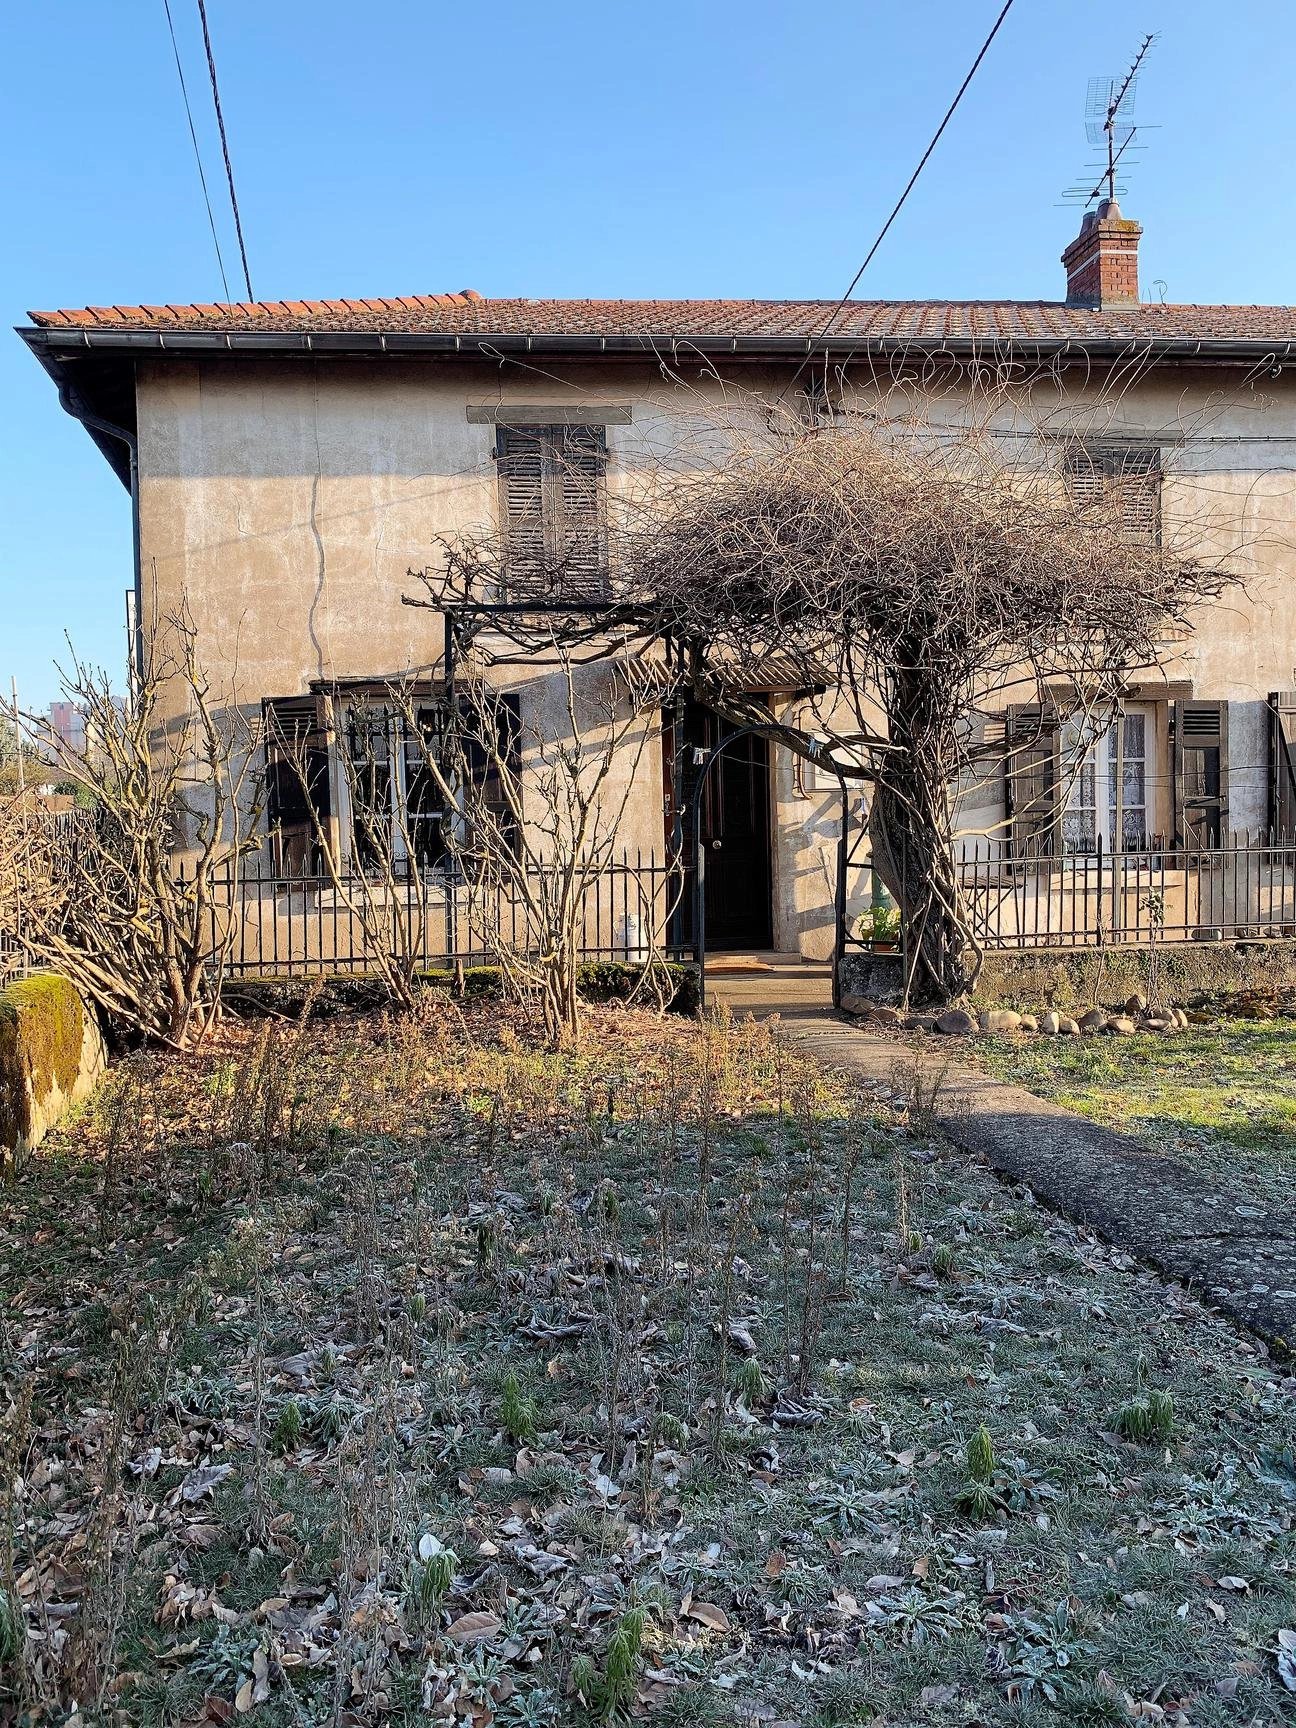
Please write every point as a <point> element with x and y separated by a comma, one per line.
<point>1220,1098</point>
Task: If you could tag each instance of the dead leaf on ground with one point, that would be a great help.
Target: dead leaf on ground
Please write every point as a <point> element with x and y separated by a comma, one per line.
<point>204,1480</point>
<point>709,1615</point>
<point>474,1628</point>
<point>1287,1659</point>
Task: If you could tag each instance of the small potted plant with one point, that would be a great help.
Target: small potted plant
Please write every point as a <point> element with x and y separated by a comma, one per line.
<point>879,927</point>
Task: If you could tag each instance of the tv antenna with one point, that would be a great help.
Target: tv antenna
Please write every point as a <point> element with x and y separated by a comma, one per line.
<point>1110,127</point>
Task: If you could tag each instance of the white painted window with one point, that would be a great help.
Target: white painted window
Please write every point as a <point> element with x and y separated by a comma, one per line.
<point>1109,783</point>
<point>391,805</point>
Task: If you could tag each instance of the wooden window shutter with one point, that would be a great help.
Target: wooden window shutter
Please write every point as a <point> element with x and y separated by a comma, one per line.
<point>553,508</point>
<point>521,451</point>
<point>1200,773</point>
<point>1123,477</point>
<point>579,523</point>
<point>1032,782</point>
<point>1282,762</point>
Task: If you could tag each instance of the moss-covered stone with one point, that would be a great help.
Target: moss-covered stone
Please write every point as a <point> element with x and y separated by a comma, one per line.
<point>51,1054</point>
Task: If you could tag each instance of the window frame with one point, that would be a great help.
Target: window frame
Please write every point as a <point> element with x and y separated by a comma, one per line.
<point>293,822</point>
<point>405,764</point>
<point>1105,757</point>
<point>400,763</point>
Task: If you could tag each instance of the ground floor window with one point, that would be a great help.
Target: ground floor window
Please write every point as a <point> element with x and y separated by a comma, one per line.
<point>393,803</point>
<point>357,771</point>
<point>297,783</point>
<point>1109,779</point>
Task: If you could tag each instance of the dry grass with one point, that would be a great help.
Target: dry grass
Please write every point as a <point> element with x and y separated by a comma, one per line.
<point>631,1336</point>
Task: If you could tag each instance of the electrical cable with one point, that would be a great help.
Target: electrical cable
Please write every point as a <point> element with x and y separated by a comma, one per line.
<point>184,91</point>
<point>913,180</point>
<point>220,126</point>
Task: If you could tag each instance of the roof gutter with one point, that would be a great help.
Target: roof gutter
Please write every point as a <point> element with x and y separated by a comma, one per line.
<point>58,342</point>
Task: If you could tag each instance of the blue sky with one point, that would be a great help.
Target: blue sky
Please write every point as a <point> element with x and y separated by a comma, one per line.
<point>723,147</point>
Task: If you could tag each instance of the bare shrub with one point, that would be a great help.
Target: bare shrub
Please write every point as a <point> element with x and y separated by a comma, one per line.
<point>539,811</point>
<point>124,902</point>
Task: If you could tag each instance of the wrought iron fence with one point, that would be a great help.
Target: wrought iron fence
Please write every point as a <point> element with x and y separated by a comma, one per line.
<point>1245,889</point>
<point>1242,890</point>
<point>291,924</point>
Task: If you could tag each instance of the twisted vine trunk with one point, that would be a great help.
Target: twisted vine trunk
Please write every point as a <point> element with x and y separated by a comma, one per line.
<point>911,826</point>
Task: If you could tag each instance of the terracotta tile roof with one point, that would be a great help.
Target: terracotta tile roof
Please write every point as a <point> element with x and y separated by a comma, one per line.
<point>920,321</point>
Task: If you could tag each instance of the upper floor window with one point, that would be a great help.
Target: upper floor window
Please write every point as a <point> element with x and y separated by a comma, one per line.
<point>553,506</point>
<point>1124,477</point>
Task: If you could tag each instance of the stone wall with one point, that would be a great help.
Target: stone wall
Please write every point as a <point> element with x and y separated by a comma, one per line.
<point>51,1055</point>
<point>1067,979</point>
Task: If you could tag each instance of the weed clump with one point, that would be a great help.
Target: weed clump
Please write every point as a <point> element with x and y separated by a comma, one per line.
<point>610,1694</point>
<point>1148,1420</point>
<point>519,1413</point>
<point>288,1427</point>
<point>433,1577</point>
<point>8,1633</point>
<point>977,1498</point>
<point>749,1382</point>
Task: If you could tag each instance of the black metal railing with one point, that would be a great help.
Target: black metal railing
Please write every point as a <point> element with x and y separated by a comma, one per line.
<point>1243,889</point>
<point>285,924</point>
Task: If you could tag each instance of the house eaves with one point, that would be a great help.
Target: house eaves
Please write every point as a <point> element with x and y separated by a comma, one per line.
<point>97,348</point>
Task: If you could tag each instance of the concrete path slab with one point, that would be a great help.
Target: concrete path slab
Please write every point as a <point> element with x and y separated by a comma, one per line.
<point>1238,1257</point>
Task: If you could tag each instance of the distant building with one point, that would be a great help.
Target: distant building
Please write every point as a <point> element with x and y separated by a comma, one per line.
<point>68,723</point>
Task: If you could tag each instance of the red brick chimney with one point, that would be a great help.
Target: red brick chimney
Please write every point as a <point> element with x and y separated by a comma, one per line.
<point>1102,261</point>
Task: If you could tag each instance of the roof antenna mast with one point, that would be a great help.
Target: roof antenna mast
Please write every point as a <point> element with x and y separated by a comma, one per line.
<point>1109,126</point>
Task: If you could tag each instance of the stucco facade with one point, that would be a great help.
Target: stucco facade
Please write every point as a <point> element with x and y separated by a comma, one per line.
<point>297,465</point>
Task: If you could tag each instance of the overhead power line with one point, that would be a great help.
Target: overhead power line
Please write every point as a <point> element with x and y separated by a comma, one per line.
<point>913,181</point>
<point>229,167</point>
<point>184,91</point>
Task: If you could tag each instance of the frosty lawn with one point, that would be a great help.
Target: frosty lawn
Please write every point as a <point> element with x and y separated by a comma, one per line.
<point>387,1371</point>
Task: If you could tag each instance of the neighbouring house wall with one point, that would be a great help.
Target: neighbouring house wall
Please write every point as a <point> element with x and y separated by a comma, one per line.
<point>286,503</point>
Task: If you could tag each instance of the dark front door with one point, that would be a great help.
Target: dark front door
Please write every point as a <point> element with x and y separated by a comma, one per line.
<point>734,823</point>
